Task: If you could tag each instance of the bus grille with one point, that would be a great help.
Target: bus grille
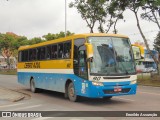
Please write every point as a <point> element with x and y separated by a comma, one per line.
<point>125,90</point>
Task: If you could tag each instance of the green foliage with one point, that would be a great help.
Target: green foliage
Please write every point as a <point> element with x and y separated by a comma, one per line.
<point>157,42</point>
<point>35,40</point>
<point>50,36</point>
<point>10,42</point>
<point>91,11</point>
<point>133,5</point>
<point>103,12</point>
<point>150,10</point>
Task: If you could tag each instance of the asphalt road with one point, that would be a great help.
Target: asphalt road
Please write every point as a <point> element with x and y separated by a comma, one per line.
<point>146,99</point>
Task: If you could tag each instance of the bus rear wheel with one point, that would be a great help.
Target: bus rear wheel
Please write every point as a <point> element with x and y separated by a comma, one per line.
<point>71,93</point>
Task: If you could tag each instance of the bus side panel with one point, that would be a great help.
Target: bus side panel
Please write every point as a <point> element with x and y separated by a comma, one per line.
<point>56,82</point>
<point>23,78</point>
<point>48,81</point>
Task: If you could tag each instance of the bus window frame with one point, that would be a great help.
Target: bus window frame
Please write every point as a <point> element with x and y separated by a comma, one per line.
<point>86,63</point>
<point>67,41</point>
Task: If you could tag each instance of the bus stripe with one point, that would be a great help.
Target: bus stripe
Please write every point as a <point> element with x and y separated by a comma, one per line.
<point>66,71</point>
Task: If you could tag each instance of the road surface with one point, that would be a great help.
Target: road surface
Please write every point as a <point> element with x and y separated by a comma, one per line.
<point>146,99</point>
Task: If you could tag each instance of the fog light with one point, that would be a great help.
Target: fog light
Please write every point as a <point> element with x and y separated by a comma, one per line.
<point>133,82</point>
<point>97,83</point>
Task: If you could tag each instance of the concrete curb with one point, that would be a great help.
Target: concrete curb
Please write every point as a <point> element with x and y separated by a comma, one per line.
<point>10,95</point>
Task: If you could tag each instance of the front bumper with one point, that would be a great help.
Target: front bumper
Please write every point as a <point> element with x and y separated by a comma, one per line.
<point>108,89</point>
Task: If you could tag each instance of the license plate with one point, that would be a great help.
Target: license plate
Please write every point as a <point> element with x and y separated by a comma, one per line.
<point>117,89</point>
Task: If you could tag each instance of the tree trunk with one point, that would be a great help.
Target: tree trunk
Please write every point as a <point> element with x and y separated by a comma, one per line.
<point>115,31</point>
<point>145,41</point>
<point>91,29</point>
<point>156,19</point>
<point>8,63</point>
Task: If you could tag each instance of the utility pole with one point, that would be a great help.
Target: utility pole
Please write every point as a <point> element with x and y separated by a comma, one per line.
<point>65,18</point>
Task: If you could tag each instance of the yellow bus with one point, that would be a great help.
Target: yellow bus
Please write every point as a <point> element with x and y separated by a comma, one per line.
<point>144,61</point>
<point>94,65</point>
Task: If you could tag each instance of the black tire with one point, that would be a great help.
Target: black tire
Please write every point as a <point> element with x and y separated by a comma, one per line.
<point>71,93</point>
<point>107,98</point>
<point>32,86</point>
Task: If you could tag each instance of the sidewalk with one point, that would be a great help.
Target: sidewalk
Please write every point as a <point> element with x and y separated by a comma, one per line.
<point>9,95</point>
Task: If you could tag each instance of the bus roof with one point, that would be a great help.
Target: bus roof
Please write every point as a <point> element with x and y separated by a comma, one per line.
<point>69,38</point>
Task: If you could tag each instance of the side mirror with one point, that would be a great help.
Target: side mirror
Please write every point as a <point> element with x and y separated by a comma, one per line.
<point>89,48</point>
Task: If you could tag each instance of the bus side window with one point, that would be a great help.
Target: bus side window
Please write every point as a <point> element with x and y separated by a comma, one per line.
<point>42,53</point>
<point>32,54</point>
<point>54,52</point>
<point>48,52</point>
<point>38,53</point>
<point>67,49</point>
<point>24,55</point>
<point>60,51</point>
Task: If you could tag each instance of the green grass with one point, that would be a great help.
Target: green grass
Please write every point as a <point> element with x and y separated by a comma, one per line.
<point>149,81</point>
<point>8,72</point>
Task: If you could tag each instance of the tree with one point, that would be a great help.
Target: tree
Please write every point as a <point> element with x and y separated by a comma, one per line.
<point>91,11</point>
<point>35,40</point>
<point>6,45</point>
<point>61,34</point>
<point>116,14</point>
<point>134,6</point>
<point>157,42</point>
<point>98,11</point>
<point>150,8</point>
<point>9,44</point>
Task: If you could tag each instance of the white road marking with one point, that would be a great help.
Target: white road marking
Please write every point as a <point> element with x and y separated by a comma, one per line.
<point>22,108</point>
<point>42,118</point>
<point>149,93</point>
<point>11,105</point>
<point>125,99</point>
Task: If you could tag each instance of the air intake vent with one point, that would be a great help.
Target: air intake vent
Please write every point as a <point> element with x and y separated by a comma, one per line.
<point>116,77</point>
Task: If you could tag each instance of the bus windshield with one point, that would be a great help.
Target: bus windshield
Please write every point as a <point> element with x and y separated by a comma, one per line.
<point>112,56</point>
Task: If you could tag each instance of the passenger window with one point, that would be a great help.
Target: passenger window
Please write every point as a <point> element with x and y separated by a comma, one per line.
<point>41,53</point>
<point>67,50</point>
<point>54,52</point>
<point>48,56</point>
<point>25,55</point>
<point>32,54</point>
<point>38,53</point>
<point>60,51</point>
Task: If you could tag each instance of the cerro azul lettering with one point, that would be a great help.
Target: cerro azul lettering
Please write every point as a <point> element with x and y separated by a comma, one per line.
<point>32,65</point>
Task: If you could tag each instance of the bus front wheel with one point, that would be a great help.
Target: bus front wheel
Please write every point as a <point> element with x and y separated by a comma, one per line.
<point>71,93</point>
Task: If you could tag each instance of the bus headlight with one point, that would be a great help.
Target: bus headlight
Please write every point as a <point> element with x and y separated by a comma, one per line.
<point>133,82</point>
<point>97,83</point>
